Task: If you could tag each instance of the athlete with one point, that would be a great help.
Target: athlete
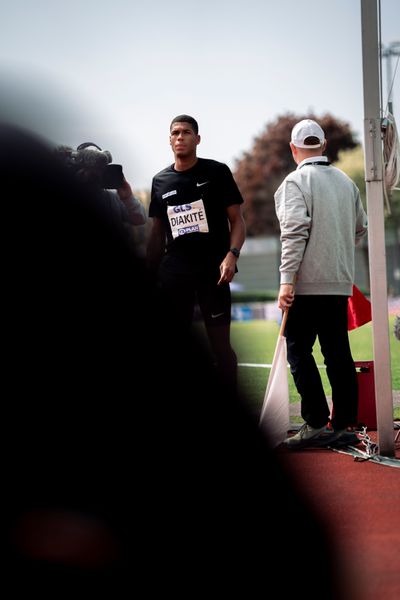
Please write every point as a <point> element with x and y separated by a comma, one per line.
<point>197,233</point>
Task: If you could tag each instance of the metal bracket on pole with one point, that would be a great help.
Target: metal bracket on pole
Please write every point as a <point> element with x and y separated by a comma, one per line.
<point>373,149</point>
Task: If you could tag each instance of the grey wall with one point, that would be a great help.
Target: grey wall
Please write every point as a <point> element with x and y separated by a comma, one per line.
<point>259,265</point>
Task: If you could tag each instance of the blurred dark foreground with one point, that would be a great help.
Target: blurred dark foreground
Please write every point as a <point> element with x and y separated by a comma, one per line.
<point>127,468</point>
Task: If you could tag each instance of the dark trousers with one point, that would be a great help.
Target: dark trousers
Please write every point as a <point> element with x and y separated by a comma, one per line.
<point>324,317</point>
<point>179,294</point>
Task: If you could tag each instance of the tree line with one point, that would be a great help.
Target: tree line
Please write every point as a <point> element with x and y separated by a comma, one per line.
<point>260,171</point>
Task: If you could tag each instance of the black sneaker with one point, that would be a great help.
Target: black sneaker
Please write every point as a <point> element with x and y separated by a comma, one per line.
<point>335,438</point>
<point>348,438</point>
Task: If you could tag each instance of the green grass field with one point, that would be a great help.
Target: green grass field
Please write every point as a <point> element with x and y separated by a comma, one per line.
<point>255,341</point>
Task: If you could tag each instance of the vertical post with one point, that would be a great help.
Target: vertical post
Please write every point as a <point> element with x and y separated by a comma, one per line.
<point>376,227</point>
<point>387,52</point>
<point>389,81</point>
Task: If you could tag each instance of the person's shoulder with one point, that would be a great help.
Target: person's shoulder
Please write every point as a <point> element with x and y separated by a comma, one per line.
<point>343,175</point>
<point>214,167</point>
<point>340,172</point>
<point>292,176</point>
<point>289,178</point>
<point>212,164</point>
<point>164,172</point>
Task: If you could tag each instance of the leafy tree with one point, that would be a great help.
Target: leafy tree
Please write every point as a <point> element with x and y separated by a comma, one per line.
<point>259,172</point>
<point>352,163</point>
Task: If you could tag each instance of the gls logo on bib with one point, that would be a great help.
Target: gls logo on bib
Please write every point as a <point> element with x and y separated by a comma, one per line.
<point>188,218</point>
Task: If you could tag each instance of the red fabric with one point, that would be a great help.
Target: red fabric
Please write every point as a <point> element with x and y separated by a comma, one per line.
<point>358,310</point>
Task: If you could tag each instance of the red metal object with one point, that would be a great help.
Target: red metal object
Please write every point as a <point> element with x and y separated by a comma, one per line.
<point>366,393</point>
<point>366,414</point>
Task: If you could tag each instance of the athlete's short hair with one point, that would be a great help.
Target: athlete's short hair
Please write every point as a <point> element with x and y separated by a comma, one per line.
<point>186,119</point>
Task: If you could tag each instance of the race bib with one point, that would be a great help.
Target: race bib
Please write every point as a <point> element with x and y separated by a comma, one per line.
<point>188,218</point>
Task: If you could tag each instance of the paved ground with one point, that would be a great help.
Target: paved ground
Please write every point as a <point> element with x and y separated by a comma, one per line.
<point>359,503</point>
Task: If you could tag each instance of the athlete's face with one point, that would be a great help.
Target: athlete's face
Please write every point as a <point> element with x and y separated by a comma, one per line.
<point>183,140</point>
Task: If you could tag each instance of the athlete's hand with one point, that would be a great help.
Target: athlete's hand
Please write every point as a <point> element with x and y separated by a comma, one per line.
<point>227,269</point>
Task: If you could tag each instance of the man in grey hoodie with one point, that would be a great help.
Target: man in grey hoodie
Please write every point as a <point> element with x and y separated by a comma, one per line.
<point>321,220</point>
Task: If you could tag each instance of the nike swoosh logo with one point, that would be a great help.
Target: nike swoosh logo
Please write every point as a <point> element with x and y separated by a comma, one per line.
<point>217,315</point>
<point>199,184</point>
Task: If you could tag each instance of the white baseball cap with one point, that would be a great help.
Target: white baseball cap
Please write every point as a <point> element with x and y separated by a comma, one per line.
<point>305,129</point>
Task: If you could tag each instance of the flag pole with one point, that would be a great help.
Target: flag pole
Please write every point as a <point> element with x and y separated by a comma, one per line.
<point>376,227</point>
<point>283,323</point>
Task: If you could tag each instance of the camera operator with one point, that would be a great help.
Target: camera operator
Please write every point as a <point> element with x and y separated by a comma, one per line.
<point>93,167</point>
<point>136,214</point>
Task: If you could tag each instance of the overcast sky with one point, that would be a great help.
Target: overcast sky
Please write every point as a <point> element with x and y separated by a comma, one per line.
<point>116,72</point>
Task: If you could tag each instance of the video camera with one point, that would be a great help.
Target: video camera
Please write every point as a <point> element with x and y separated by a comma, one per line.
<point>93,165</point>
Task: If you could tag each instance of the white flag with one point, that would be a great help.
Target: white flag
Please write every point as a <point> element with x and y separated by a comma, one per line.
<point>275,417</point>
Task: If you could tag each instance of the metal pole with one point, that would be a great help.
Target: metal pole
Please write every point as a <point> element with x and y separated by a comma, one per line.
<point>389,81</point>
<point>376,227</point>
<point>387,52</point>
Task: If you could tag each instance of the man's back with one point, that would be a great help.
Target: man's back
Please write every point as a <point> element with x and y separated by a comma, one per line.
<point>322,205</point>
